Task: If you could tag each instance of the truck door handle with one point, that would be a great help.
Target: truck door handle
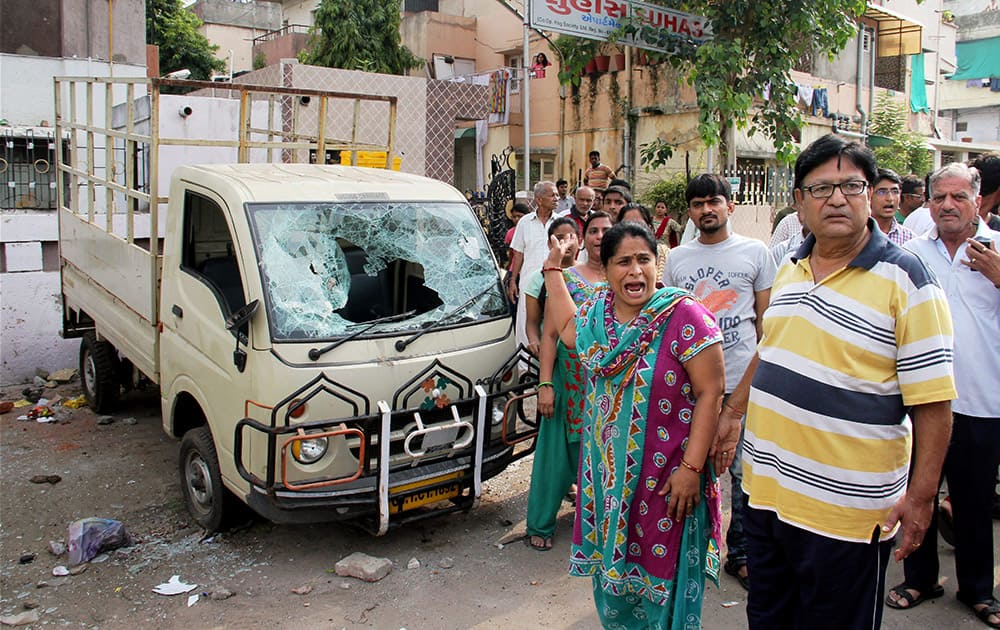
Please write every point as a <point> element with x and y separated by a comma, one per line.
<point>176,310</point>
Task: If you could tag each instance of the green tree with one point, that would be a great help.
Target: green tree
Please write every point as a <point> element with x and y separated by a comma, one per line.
<point>358,35</point>
<point>907,152</point>
<point>670,190</point>
<point>755,46</point>
<point>174,29</point>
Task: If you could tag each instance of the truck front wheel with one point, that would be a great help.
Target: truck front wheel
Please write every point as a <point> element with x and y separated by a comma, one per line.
<point>207,499</point>
<point>99,373</point>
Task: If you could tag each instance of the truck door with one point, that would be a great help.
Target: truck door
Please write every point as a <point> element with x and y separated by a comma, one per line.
<point>197,296</point>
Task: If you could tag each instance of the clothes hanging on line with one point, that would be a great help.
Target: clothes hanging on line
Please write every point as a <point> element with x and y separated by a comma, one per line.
<point>820,102</point>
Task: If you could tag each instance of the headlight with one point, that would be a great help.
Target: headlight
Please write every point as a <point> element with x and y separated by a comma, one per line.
<point>497,415</point>
<point>309,451</point>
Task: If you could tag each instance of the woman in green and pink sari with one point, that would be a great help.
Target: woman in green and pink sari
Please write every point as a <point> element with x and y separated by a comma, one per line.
<point>647,517</point>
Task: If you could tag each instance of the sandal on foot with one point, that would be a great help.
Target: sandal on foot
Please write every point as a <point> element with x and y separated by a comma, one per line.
<point>990,607</point>
<point>538,543</point>
<point>733,568</point>
<point>903,594</point>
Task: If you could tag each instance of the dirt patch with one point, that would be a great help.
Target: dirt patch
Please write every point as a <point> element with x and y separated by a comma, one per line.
<point>470,571</point>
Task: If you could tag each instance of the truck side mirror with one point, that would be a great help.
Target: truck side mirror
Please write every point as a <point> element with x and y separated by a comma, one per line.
<point>242,315</point>
<point>234,322</point>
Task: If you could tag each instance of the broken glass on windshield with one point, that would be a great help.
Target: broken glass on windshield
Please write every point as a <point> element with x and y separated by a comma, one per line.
<point>327,268</point>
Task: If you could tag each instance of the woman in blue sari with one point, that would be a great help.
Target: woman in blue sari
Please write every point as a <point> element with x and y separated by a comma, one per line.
<point>647,517</point>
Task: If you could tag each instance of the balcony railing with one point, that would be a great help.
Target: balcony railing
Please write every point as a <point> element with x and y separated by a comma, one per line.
<point>281,32</point>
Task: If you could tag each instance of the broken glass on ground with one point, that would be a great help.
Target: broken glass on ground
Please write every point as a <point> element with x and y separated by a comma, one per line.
<point>327,268</point>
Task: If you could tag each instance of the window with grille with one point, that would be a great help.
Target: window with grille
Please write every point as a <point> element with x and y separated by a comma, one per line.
<point>27,171</point>
<point>513,62</point>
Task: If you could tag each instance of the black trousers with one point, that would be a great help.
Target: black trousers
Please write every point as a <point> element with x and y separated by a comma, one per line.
<point>803,581</point>
<point>970,468</point>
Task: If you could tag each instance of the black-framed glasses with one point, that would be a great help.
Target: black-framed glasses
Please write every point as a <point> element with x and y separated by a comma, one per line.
<point>912,195</point>
<point>848,189</point>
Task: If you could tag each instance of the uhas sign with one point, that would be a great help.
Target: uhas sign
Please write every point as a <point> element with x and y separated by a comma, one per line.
<point>659,28</point>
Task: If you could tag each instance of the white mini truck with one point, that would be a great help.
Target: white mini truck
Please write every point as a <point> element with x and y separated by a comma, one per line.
<point>329,342</point>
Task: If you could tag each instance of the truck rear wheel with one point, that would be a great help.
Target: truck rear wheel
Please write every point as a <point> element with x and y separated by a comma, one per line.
<point>207,499</point>
<point>99,373</point>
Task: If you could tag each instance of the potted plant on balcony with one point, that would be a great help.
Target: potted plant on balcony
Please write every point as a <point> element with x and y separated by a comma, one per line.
<point>602,56</point>
<point>575,54</point>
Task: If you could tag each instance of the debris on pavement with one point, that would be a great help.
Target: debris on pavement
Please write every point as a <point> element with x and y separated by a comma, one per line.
<point>60,571</point>
<point>41,413</point>
<point>32,394</point>
<point>65,375</point>
<point>20,619</point>
<point>302,590</point>
<point>220,594</point>
<point>105,419</point>
<point>129,421</point>
<point>413,564</point>
<point>192,600</point>
<point>90,536</point>
<point>57,548</point>
<point>446,563</point>
<point>729,604</point>
<point>53,479</point>
<point>6,406</point>
<point>174,586</point>
<point>76,403</point>
<point>27,558</point>
<point>364,567</point>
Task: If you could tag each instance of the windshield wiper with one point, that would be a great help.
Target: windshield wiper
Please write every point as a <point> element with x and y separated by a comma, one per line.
<point>402,343</point>
<point>316,353</point>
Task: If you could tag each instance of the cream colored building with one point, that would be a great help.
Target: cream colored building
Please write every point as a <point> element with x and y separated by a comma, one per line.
<point>232,25</point>
<point>475,39</point>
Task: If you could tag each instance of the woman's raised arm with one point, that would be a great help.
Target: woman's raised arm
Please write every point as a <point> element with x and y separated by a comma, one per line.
<point>559,306</point>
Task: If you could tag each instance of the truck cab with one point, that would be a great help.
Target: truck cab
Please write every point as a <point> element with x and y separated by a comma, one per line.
<point>329,342</point>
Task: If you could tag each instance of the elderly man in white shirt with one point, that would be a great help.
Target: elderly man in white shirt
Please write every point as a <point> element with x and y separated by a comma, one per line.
<point>962,253</point>
<point>530,247</point>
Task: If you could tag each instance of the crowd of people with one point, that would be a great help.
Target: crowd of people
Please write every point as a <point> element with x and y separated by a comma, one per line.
<point>839,374</point>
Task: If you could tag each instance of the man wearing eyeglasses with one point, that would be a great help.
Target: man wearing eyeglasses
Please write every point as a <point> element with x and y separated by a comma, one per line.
<point>885,201</point>
<point>857,331</point>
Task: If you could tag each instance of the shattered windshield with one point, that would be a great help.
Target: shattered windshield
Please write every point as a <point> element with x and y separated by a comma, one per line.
<point>328,268</point>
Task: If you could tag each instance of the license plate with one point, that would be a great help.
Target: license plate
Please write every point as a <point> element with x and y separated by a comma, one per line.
<point>424,497</point>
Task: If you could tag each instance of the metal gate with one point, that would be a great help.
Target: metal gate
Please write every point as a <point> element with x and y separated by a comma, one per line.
<point>494,214</point>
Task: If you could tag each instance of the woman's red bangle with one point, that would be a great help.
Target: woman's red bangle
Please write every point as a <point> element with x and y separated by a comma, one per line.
<point>690,467</point>
<point>742,413</point>
<point>544,269</point>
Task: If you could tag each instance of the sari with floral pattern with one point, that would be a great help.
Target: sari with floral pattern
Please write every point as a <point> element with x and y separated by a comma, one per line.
<point>638,418</point>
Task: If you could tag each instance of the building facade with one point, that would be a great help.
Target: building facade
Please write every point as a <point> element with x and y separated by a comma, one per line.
<point>41,39</point>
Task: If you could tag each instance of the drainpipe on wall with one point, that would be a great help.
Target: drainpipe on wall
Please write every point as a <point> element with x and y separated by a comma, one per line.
<point>111,38</point>
<point>526,107</point>
<point>859,105</point>
<point>562,131</point>
<point>627,135</point>
<point>937,83</point>
<point>872,50</point>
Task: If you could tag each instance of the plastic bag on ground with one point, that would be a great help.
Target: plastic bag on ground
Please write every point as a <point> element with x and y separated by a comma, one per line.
<point>90,536</point>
